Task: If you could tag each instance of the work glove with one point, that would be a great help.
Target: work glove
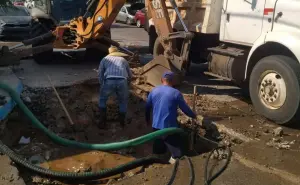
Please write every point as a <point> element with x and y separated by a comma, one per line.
<point>204,122</point>
<point>209,126</point>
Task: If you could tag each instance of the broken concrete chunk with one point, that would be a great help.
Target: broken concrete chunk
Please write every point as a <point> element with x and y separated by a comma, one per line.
<point>277,143</point>
<point>236,141</point>
<point>276,140</point>
<point>8,173</point>
<point>278,131</point>
<point>27,99</point>
<point>37,160</point>
<point>47,155</point>
<point>24,140</point>
<point>138,81</point>
<point>138,91</point>
<point>292,142</point>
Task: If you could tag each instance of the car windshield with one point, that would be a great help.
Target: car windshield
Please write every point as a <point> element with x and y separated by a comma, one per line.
<point>12,11</point>
<point>131,11</point>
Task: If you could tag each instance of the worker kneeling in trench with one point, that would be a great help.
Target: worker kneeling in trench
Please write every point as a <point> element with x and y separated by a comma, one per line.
<point>114,76</point>
<point>164,100</point>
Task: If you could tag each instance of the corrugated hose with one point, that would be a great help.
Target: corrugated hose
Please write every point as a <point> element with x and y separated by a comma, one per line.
<point>103,147</point>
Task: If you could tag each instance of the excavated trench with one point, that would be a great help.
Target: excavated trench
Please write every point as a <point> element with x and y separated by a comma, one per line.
<point>81,102</point>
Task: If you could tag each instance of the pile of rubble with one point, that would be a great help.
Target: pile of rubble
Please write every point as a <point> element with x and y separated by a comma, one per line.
<point>278,142</point>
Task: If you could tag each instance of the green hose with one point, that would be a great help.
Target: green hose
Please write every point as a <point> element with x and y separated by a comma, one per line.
<point>78,176</point>
<point>103,147</point>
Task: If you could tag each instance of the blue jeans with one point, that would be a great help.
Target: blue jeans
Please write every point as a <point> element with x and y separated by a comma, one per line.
<point>118,86</point>
<point>171,142</point>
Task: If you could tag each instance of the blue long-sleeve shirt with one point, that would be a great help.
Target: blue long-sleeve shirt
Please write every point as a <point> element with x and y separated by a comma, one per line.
<point>164,102</point>
<point>114,67</point>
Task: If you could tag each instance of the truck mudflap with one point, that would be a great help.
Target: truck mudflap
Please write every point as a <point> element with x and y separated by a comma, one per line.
<point>154,70</point>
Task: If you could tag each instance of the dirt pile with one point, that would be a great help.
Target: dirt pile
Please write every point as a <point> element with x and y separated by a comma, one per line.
<point>82,103</point>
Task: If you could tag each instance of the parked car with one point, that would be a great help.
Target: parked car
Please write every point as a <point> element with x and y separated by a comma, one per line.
<point>15,23</point>
<point>18,2</point>
<point>128,12</point>
<point>140,18</point>
<point>29,4</point>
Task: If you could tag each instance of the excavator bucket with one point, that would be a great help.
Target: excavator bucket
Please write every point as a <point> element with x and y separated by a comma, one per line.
<point>154,70</point>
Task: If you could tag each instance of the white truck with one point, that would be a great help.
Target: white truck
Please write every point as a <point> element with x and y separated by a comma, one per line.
<point>255,43</point>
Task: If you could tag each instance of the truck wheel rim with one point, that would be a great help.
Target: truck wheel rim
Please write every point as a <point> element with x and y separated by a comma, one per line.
<point>138,23</point>
<point>272,90</point>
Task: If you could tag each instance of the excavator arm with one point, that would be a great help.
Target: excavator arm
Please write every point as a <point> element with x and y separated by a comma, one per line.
<point>172,59</point>
<point>85,31</point>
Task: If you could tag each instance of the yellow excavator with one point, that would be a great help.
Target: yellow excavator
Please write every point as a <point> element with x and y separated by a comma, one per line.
<point>89,32</point>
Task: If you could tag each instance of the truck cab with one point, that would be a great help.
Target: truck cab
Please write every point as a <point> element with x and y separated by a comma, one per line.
<point>265,35</point>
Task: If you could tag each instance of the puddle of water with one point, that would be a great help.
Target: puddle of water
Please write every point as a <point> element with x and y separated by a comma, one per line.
<point>92,161</point>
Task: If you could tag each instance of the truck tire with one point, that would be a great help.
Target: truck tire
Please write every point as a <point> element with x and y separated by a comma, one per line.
<point>138,23</point>
<point>38,28</point>
<point>275,88</point>
<point>128,22</point>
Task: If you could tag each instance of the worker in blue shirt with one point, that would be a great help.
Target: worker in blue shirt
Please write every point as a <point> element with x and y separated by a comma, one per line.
<point>164,101</point>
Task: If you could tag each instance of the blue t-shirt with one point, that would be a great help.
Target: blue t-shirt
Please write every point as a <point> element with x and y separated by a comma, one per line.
<point>164,102</point>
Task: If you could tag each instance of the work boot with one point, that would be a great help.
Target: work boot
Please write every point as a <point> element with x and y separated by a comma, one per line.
<point>102,122</point>
<point>122,117</point>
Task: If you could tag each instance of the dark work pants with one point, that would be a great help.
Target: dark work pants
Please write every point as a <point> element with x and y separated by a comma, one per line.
<point>171,142</point>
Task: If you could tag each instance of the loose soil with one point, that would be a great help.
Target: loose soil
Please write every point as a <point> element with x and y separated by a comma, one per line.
<point>82,103</point>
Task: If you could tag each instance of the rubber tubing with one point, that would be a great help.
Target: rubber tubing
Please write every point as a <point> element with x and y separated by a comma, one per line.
<point>78,176</point>
<point>102,147</point>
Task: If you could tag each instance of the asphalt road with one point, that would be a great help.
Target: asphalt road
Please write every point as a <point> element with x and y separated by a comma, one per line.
<point>64,72</point>
<point>130,35</point>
